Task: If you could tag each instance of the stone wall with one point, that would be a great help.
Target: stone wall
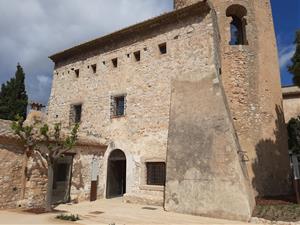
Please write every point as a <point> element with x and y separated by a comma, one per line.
<point>204,168</point>
<point>142,133</point>
<point>291,102</point>
<point>11,175</point>
<point>252,87</point>
<point>82,171</point>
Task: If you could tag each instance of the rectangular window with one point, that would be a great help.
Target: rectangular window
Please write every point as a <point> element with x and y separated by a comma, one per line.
<point>137,56</point>
<point>156,173</point>
<point>118,106</point>
<point>163,48</point>
<point>94,68</point>
<point>77,73</point>
<point>75,114</point>
<point>115,62</point>
<point>77,109</point>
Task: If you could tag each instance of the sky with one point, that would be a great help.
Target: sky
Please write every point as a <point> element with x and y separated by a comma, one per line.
<point>32,30</point>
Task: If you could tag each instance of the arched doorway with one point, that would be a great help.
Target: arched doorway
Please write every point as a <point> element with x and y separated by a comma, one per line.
<point>116,174</point>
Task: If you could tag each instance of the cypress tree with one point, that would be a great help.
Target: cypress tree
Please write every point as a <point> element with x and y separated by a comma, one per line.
<point>13,97</point>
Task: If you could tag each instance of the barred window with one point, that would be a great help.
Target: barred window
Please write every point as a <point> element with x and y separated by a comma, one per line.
<point>118,106</point>
<point>75,114</point>
<point>156,173</point>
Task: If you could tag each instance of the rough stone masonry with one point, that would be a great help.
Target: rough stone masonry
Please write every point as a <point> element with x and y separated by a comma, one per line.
<point>179,101</point>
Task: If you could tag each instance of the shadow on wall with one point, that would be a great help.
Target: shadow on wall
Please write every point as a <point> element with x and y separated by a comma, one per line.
<point>77,178</point>
<point>271,168</point>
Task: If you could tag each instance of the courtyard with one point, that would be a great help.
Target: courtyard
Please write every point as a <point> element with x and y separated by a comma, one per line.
<point>112,211</point>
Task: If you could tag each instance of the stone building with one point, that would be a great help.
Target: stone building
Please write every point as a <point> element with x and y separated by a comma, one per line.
<point>23,179</point>
<point>291,102</point>
<point>188,105</point>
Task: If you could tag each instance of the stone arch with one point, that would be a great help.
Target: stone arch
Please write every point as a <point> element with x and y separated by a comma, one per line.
<point>116,174</point>
<point>238,24</point>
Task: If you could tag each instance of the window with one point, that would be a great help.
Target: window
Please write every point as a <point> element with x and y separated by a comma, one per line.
<point>94,68</point>
<point>137,56</point>
<point>163,48</point>
<point>156,173</point>
<point>118,106</point>
<point>237,25</point>
<point>77,73</point>
<point>115,62</point>
<point>75,114</point>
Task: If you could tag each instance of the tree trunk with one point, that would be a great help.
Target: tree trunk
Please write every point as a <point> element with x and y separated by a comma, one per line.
<point>49,188</point>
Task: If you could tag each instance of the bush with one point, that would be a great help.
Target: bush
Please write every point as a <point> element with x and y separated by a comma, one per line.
<point>68,217</point>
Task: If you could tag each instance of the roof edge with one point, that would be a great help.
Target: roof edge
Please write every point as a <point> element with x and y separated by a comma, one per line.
<point>88,46</point>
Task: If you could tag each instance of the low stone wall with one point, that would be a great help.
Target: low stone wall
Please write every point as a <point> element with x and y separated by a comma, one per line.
<point>36,182</point>
<point>11,180</point>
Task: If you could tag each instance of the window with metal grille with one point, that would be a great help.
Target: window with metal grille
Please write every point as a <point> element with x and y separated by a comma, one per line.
<point>118,106</point>
<point>156,173</point>
<point>75,114</point>
<point>77,110</point>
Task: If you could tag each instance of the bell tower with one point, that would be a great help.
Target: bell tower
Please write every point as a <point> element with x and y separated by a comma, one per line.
<point>251,79</point>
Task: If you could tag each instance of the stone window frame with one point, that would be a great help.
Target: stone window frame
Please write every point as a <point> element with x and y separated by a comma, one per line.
<point>113,105</point>
<point>143,175</point>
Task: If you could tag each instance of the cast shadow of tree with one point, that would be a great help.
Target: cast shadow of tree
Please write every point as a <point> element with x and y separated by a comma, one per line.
<point>271,167</point>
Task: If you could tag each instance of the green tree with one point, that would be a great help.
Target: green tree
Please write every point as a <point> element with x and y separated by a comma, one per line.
<point>13,97</point>
<point>48,142</point>
<point>293,128</point>
<point>294,68</point>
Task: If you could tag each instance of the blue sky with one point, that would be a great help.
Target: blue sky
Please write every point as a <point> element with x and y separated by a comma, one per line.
<point>32,30</point>
<point>286,14</point>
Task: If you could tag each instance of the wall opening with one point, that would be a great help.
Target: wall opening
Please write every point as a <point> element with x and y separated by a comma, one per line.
<point>116,174</point>
<point>94,68</point>
<point>137,56</point>
<point>163,48</point>
<point>115,62</point>
<point>62,176</point>
<point>77,73</point>
<point>237,25</point>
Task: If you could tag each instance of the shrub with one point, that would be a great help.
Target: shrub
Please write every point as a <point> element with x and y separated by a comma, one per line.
<point>68,217</point>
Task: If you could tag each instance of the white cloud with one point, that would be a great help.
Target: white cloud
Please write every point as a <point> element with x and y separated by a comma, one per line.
<point>32,30</point>
<point>285,55</point>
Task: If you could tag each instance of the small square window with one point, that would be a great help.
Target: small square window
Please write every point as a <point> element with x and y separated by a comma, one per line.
<point>94,68</point>
<point>118,106</point>
<point>163,48</point>
<point>137,56</point>
<point>156,173</point>
<point>77,73</point>
<point>115,62</point>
